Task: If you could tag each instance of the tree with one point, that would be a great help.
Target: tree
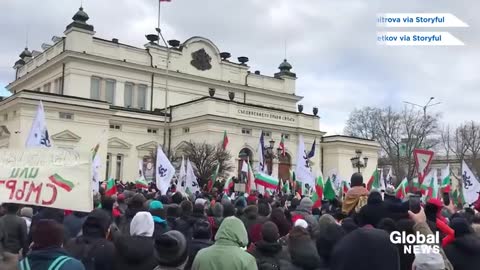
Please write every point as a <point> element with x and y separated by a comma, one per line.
<point>205,158</point>
<point>397,132</point>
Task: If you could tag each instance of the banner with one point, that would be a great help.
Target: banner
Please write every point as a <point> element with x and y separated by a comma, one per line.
<point>46,177</point>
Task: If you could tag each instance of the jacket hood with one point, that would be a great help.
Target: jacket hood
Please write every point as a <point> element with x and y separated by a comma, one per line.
<point>96,224</point>
<point>469,244</point>
<point>134,249</point>
<point>217,210</point>
<point>46,254</point>
<point>142,224</point>
<point>306,205</point>
<point>232,232</point>
<point>374,198</point>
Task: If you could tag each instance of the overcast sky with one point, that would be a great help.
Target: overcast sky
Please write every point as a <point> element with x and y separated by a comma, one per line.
<point>331,45</point>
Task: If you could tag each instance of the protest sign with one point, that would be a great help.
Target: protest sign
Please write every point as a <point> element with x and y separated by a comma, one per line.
<point>46,177</point>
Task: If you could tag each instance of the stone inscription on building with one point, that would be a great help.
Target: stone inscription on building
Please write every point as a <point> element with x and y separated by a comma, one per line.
<point>267,115</point>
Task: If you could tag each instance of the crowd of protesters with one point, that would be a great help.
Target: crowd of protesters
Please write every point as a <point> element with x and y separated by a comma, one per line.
<point>142,230</point>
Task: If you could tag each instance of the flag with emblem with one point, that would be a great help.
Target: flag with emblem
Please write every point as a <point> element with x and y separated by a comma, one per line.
<point>38,136</point>
<point>191,183</point>
<point>164,171</point>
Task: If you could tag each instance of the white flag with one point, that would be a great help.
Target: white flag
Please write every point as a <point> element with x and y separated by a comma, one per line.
<point>191,179</point>
<point>302,169</point>
<point>181,177</point>
<point>38,136</point>
<point>471,186</point>
<point>164,172</point>
<point>245,167</point>
<point>141,175</point>
<point>96,164</point>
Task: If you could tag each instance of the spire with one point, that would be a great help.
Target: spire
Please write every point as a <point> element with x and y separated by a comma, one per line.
<point>285,68</point>
<point>80,20</point>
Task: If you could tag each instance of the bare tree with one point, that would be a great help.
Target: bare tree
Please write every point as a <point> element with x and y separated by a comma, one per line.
<point>398,133</point>
<point>205,158</point>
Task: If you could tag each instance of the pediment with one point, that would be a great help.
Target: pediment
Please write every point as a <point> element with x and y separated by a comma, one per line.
<point>118,143</point>
<point>66,136</point>
<point>147,146</point>
<point>4,132</point>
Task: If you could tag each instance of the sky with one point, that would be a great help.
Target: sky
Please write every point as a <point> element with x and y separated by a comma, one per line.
<point>330,44</point>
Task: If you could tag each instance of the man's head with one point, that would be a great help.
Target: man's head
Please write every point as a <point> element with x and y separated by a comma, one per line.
<point>270,232</point>
<point>47,233</point>
<point>356,180</point>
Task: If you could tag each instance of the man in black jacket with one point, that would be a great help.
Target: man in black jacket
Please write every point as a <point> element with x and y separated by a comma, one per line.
<point>15,229</point>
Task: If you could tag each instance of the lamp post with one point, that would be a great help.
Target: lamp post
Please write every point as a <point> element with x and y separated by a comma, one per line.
<point>357,161</point>
<point>271,155</point>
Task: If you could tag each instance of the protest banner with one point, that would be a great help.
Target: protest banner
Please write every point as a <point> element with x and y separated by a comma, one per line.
<point>46,177</point>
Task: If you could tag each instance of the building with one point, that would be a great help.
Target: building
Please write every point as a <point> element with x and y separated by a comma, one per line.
<point>131,99</point>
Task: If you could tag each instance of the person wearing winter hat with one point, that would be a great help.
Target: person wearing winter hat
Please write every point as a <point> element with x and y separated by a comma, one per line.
<point>47,249</point>
<point>135,205</point>
<point>217,218</point>
<point>357,195</point>
<point>171,251</point>
<point>136,250</point>
<point>428,261</point>
<point>15,229</point>
<point>463,251</point>
<point>27,213</point>
<point>302,250</point>
<point>92,247</point>
<point>202,234</point>
<point>156,209</point>
<point>304,209</point>
<point>227,251</point>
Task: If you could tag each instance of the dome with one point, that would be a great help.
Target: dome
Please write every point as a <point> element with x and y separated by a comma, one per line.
<point>25,53</point>
<point>285,66</point>
<point>80,16</point>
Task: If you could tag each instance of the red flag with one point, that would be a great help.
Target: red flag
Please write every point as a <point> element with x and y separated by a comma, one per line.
<point>210,185</point>
<point>225,140</point>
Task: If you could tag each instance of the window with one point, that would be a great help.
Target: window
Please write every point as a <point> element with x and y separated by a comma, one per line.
<point>286,136</point>
<point>246,131</point>
<point>65,115</point>
<point>110,91</point>
<point>46,87</point>
<point>118,172</point>
<point>186,130</point>
<point>267,133</point>
<point>115,126</point>
<point>107,166</point>
<point>58,86</point>
<point>128,96</point>
<point>152,130</point>
<point>95,88</point>
<point>141,97</point>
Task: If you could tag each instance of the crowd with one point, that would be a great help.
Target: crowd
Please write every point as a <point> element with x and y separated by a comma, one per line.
<point>141,230</point>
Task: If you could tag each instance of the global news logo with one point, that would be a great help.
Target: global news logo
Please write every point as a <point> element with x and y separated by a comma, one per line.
<point>417,243</point>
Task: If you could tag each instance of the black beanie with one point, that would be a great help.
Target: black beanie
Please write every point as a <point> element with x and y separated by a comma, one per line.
<point>171,249</point>
<point>356,180</point>
<point>270,232</point>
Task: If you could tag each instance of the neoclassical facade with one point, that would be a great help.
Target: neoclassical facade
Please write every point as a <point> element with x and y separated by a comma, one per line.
<point>131,99</point>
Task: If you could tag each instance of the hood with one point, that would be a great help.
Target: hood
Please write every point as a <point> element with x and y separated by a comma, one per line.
<point>324,221</point>
<point>304,254</point>
<point>134,249</point>
<point>374,198</point>
<point>305,205</point>
<point>232,232</point>
<point>142,224</point>
<point>469,244</point>
<point>47,254</point>
<point>251,212</point>
<point>217,210</point>
<point>268,249</point>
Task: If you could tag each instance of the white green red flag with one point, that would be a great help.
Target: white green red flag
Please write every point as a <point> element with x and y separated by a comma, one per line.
<point>329,190</point>
<point>422,158</point>
<point>266,180</point>
<point>401,190</point>
<point>110,188</point>
<point>317,195</point>
<point>344,187</point>
<point>374,181</point>
<point>250,180</point>
<point>282,145</point>
<point>446,181</point>
<point>415,184</point>
<point>432,191</point>
<point>228,185</point>
<point>96,164</point>
<point>225,140</point>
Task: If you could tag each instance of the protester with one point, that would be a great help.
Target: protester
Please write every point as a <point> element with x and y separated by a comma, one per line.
<point>15,229</point>
<point>27,213</point>
<point>374,211</point>
<point>283,225</point>
<point>73,224</point>
<point>268,252</point>
<point>202,234</point>
<point>227,251</point>
<point>158,213</point>
<point>304,210</point>
<point>171,251</point>
<point>135,205</point>
<point>356,196</point>
<point>326,238</point>
<point>464,251</point>
<point>302,250</point>
<point>47,252</point>
<point>216,218</point>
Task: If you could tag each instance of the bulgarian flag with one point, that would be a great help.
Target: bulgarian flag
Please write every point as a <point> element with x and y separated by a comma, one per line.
<point>432,192</point>
<point>286,187</point>
<point>374,181</point>
<point>141,183</point>
<point>111,188</point>
<point>282,145</point>
<point>213,178</point>
<point>458,198</point>
<point>343,189</point>
<point>225,140</point>
<point>401,190</point>
<point>317,196</point>
<point>329,190</point>
<point>61,182</point>
<point>228,185</point>
<point>415,184</point>
<point>250,180</point>
<point>266,180</point>
<point>446,181</point>
<point>425,186</point>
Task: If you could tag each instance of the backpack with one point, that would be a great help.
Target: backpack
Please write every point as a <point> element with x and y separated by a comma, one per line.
<point>87,257</point>
<point>55,265</point>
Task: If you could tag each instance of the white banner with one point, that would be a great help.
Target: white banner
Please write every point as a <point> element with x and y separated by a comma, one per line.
<point>417,39</point>
<point>470,184</point>
<point>46,177</point>
<point>419,20</point>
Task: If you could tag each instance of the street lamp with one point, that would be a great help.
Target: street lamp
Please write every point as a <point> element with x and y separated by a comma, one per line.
<point>357,162</point>
<point>424,107</point>
<point>271,155</point>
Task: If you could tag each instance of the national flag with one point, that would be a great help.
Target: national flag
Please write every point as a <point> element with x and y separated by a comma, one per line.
<point>425,185</point>
<point>250,180</point>
<point>225,140</point>
<point>302,170</point>
<point>228,185</point>
<point>343,189</point>
<point>61,182</point>
<point>266,180</point>
<point>111,187</point>
<point>422,158</point>
<point>401,190</point>
<point>282,145</point>
<point>164,171</point>
<point>457,197</point>
<point>312,150</point>
<point>141,183</point>
<point>415,184</point>
<point>432,191</point>
<point>191,183</point>
<point>374,181</point>
<point>96,164</point>
<point>38,135</point>
<point>329,190</point>
<point>446,181</point>
<point>317,195</point>
<point>181,185</point>
<point>470,186</point>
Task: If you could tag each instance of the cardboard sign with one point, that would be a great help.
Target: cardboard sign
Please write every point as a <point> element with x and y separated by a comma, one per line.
<point>46,177</point>
<point>240,187</point>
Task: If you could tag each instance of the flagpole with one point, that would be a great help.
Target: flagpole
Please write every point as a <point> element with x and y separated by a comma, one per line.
<point>158,22</point>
